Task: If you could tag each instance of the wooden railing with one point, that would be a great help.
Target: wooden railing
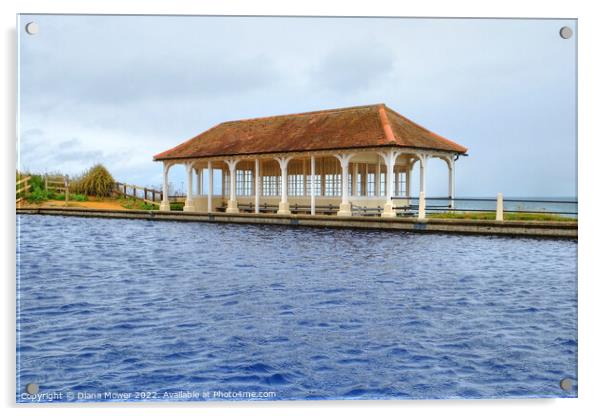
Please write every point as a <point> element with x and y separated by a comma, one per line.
<point>148,195</point>
<point>58,184</point>
<point>23,186</point>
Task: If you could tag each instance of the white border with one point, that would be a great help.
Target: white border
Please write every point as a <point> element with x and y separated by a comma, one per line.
<point>590,137</point>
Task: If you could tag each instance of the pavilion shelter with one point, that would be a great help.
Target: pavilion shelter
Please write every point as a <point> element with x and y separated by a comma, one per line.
<point>354,159</point>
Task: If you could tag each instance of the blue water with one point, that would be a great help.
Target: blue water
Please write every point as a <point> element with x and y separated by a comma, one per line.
<point>147,308</point>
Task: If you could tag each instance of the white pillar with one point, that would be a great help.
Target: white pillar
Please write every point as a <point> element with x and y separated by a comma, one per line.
<point>257,185</point>
<point>283,207</point>
<point>199,181</point>
<point>499,208</point>
<point>165,200</point>
<point>422,174</point>
<point>390,158</point>
<point>397,182</point>
<point>313,186</point>
<point>189,204</point>
<point>345,207</point>
<point>451,185</point>
<point>232,203</point>
<point>210,187</point>
<point>421,206</point>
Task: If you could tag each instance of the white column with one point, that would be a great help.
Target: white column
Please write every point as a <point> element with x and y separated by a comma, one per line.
<point>390,158</point>
<point>199,181</point>
<point>421,206</point>
<point>232,203</point>
<point>451,185</point>
<point>423,160</point>
<point>345,207</point>
<point>499,208</point>
<point>189,204</point>
<point>397,182</point>
<point>313,186</point>
<point>210,187</point>
<point>165,200</point>
<point>257,185</point>
<point>283,207</point>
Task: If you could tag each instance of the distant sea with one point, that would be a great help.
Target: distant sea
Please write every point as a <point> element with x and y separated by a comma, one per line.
<point>556,205</point>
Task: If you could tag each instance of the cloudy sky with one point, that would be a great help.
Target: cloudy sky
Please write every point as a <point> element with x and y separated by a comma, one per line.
<point>119,89</point>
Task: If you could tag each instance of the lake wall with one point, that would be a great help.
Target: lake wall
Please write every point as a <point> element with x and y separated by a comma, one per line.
<point>483,227</point>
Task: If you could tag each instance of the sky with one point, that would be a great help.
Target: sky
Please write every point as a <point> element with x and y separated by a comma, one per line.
<point>118,89</point>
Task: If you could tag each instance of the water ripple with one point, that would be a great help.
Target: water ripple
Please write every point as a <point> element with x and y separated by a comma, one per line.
<point>120,305</point>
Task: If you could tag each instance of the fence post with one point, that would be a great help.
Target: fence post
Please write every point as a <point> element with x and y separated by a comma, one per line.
<point>66,190</point>
<point>499,208</point>
<point>421,206</point>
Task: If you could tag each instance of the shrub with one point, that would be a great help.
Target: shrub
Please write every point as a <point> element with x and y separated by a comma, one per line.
<point>36,182</point>
<point>38,195</point>
<point>176,206</point>
<point>96,181</point>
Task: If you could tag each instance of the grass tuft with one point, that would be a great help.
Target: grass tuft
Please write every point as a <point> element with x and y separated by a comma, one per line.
<point>97,181</point>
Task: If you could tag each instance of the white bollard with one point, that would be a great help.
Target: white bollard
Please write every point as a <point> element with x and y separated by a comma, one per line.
<point>421,206</point>
<point>499,209</point>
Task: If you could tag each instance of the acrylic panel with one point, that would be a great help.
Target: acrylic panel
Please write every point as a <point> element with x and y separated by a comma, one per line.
<point>295,208</point>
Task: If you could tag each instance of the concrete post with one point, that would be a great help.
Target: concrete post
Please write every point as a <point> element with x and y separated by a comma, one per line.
<point>313,186</point>
<point>257,185</point>
<point>499,208</point>
<point>165,200</point>
<point>390,158</point>
<point>209,187</point>
<point>283,207</point>
<point>67,190</point>
<point>189,205</point>
<point>232,203</point>
<point>421,206</point>
<point>345,207</point>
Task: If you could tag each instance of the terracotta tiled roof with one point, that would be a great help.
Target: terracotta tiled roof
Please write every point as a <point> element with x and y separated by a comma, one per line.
<point>343,128</point>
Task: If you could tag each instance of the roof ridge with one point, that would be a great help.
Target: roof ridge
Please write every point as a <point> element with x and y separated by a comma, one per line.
<point>424,128</point>
<point>385,124</point>
<point>331,110</point>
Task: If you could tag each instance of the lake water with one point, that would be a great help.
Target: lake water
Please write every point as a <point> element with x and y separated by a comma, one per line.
<point>113,309</point>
